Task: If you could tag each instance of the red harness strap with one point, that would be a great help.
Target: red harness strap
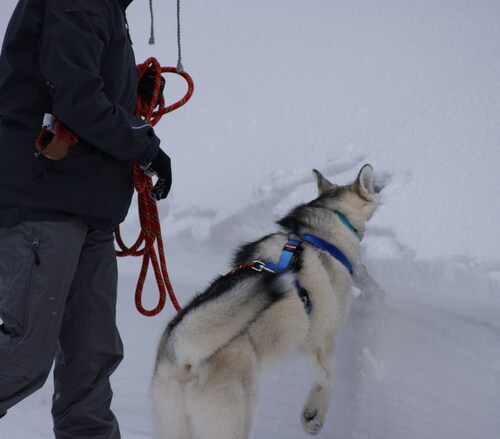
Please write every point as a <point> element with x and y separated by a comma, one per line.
<point>148,211</point>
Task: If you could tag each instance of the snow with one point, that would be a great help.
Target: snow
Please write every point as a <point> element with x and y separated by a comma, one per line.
<point>285,87</point>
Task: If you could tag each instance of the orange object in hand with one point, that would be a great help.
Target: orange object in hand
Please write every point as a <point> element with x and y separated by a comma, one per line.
<point>55,140</point>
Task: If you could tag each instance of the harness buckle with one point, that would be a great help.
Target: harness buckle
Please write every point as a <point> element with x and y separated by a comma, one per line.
<point>261,266</point>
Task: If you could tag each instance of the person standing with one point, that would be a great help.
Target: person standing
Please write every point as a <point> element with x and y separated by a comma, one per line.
<point>59,205</point>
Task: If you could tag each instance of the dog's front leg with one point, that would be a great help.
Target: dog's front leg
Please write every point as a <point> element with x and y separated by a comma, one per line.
<point>318,400</point>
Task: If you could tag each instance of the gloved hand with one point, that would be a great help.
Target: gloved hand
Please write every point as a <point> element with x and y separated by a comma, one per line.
<point>161,167</point>
<point>147,85</point>
<point>55,141</point>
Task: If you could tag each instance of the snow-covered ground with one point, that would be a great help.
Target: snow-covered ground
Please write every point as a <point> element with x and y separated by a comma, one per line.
<point>282,87</point>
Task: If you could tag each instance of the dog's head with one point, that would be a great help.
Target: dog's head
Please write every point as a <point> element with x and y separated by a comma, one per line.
<point>357,201</point>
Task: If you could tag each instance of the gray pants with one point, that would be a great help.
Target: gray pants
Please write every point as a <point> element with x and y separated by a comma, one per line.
<point>58,282</point>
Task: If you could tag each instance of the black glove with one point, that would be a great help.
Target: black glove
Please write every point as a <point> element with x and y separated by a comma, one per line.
<point>161,167</point>
<point>146,86</point>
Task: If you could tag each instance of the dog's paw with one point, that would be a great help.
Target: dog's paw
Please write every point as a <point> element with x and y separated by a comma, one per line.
<point>311,421</point>
<point>366,288</point>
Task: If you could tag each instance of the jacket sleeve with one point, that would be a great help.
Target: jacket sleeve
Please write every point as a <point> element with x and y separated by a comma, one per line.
<point>75,37</point>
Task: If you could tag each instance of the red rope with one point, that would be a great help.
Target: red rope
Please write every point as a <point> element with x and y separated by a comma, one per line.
<point>148,211</point>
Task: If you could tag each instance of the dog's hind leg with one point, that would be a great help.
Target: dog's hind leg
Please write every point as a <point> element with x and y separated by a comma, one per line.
<point>222,405</point>
<point>318,400</point>
<point>170,416</point>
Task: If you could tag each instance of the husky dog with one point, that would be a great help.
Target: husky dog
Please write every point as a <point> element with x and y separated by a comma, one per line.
<point>289,291</point>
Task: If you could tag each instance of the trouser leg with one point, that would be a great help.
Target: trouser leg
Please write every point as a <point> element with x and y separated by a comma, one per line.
<point>37,264</point>
<point>90,347</point>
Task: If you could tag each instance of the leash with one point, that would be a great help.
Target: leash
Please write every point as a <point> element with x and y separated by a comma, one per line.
<point>150,234</point>
<point>148,211</point>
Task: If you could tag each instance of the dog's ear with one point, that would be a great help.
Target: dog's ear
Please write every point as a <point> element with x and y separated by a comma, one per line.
<point>323,184</point>
<point>363,185</point>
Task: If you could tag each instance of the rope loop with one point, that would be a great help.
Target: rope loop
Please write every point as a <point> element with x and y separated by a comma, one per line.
<point>151,109</point>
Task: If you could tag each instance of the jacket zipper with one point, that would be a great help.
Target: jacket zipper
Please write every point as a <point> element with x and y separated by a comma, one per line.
<point>127,28</point>
<point>35,244</point>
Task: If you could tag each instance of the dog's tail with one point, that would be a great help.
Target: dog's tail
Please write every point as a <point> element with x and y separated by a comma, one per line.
<point>219,315</point>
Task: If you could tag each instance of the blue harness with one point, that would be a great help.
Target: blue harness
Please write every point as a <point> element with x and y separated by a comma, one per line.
<point>290,250</point>
<point>287,254</point>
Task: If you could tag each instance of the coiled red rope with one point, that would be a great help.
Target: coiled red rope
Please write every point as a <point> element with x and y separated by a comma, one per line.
<point>150,235</point>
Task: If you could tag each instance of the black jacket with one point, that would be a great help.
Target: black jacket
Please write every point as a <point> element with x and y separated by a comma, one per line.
<point>71,58</point>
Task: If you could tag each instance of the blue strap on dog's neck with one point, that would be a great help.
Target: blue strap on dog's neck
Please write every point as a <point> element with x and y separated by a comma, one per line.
<point>330,248</point>
<point>347,224</point>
